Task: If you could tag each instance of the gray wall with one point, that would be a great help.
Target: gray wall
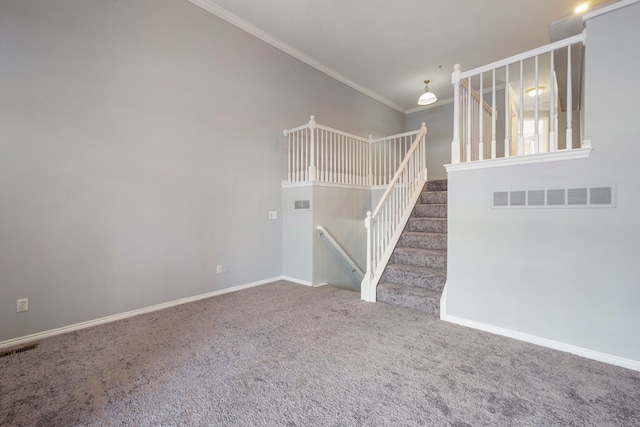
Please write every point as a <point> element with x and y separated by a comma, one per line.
<point>297,234</point>
<point>439,122</point>
<point>567,275</point>
<point>309,257</point>
<point>140,146</point>
<point>342,212</point>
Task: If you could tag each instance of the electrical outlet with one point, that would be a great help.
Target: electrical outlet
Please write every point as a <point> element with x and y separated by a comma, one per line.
<point>23,305</point>
<point>219,269</point>
<point>273,214</point>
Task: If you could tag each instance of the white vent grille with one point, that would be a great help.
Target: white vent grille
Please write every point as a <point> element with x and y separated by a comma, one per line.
<point>573,197</point>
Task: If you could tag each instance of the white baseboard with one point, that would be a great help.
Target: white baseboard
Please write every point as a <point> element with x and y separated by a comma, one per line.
<point>556,345</point>
<point>443,303</point>
<point>298,281</point>
<point>90,323</point>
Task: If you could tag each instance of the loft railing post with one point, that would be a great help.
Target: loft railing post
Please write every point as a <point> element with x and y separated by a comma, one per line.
<point>569,142</point>
<point>423,146</point>
<point>455,144</point>
<point>553,144</point>
<point>312,156</point>
<point>480,122</point>
<point>493,114</point>
<point>370,148</point>
<point>507,115</point>
<point>288,154</point>
<point>366,293</point>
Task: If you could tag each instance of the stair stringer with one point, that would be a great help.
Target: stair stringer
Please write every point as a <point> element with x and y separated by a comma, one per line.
<point>369,291</point>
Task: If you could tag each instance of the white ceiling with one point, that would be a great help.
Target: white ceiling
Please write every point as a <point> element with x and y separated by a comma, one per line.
<point>390,47</point>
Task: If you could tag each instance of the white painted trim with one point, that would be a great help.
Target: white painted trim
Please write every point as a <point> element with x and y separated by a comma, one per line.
<point>609,8</point>
<point>428,107</point>
<point>525,55</point>
<point>300,184</point>
<point>544,342</point>
<point>224,14</point>
<point>297,281</point>
<point>443,303</point>
<point>132,313</point>
<point>578,153</point>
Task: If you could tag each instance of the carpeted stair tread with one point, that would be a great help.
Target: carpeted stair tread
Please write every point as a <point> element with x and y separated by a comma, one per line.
<point>433,258</point>
<point>417,271</point>
<point>430,210</point>
<point>428,225</point>
<point>436,197</point>
<point>421,240</point>
<point>424,277</point>
<point>438,185</point>
<point>410,297</point>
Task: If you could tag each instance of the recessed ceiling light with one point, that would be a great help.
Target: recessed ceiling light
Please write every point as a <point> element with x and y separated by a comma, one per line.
<point>581,8</point>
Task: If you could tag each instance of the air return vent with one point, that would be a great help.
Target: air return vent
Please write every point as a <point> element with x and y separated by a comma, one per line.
<point>301,204</point>
<point>15,350</point>
<point>572,197</point>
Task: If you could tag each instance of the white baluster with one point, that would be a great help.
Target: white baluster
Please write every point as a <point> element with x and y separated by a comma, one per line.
<point>455,144</point>
<point>370,163</point>
<point>553,143</point>
<point>521,115</point>
<point>493,116</point>
<point>536,114</point>
<point>469,114</point>
<point>480,122</point>
<point>569,143</point>
<point>312,156</point>
<point>507,116</point>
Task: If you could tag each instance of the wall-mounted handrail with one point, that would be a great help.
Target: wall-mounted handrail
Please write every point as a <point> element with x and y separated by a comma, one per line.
<point>354,267</point>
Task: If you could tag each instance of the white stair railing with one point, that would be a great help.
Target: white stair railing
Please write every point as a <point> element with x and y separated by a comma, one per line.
<point>387,154</point>
<point>354,267</point>
<point>320,153</point>
<point>385,224</point>
<point>478,135</point>
<point>538,86</point>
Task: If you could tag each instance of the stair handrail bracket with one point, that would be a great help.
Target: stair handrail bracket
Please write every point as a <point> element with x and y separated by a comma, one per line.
<point>532,88</point>
<point>384,225</point>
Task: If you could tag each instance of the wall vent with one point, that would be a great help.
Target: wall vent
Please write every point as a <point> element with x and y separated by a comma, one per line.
<point>15,350</point>
<point>301,204</point>
<point>572,197</point>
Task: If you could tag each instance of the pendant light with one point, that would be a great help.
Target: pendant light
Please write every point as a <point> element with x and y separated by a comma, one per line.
<point>427,97</point>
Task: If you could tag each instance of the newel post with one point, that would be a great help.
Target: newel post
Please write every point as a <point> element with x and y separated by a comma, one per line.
<point>370,148</point>
<point>455,144</point>
<point>312,159</point>
<point>366,291</point>
<point>423,147</point>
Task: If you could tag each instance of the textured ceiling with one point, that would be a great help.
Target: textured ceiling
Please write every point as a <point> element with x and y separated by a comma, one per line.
<point>390,48</point>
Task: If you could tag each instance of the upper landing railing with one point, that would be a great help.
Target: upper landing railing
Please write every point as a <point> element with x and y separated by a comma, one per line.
<point>320,153</point>
<point>539,93</point>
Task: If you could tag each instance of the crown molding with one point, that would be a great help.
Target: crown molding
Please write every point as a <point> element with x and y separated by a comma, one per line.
<point>224,14</point>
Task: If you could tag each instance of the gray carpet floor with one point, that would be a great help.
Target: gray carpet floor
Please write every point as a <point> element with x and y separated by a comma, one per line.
<point>286,355</point>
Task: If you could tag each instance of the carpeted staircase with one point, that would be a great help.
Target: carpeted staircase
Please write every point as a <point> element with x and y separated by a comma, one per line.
<point>417,270</point>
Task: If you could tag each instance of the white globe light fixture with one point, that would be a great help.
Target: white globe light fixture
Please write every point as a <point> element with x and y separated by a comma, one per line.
<point>427,97</point>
